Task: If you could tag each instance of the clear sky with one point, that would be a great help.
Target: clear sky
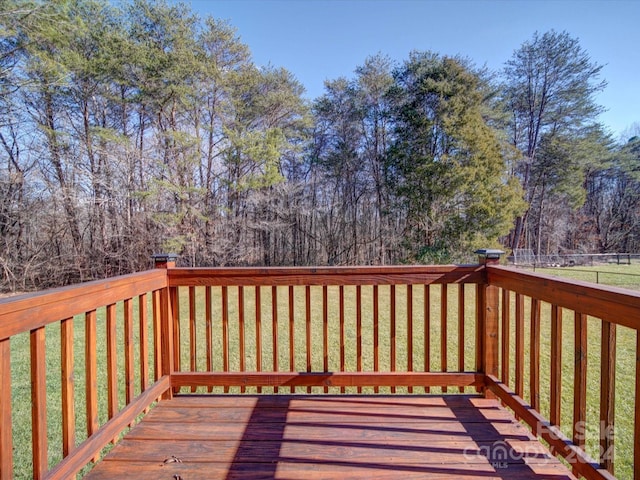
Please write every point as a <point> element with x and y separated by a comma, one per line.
<point>318,40</point>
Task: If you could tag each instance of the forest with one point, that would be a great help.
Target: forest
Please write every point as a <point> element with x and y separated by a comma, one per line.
<point>139,127</point>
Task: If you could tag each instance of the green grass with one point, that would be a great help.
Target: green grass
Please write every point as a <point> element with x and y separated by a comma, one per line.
<point>625,374</point>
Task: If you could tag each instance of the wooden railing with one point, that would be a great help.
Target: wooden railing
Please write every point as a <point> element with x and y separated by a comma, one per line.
<point>51,339</point>
<point>89,360</point>
<point>542,312</point>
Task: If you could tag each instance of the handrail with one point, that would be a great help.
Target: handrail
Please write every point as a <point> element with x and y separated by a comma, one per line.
<point>128,307</point>
<point>577,304</point>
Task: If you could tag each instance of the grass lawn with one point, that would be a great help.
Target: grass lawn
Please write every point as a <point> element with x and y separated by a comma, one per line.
<point>625,373</point>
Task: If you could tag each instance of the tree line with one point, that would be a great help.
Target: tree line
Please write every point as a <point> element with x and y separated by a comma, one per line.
<point>141,127</point>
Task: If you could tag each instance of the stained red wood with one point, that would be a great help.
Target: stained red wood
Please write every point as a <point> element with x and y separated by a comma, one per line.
<point>461,323</point>
<point>607,394</point>
<point>274,328</point>
<point>359,331</point>
<point>241,332</point>
<point>91,448</point>
<point>364,275</point>
<point>112,362</point>
<point>506,336</point>
<point>427,330</point>
<point>23,313</point>
<point>67,385</point>
<point>143,323</point>
<point>157,335</point>
<point>392,332</point>
<point>410,331</point>
<point>6,437</point>
<point>193,343</point>
<point>39,442</point>
<point>580,461</point>
<point>331,379</point>
<point>534,361</point>
<point>433,437</point>
<point>519,380</point>
<point>225,330</point>
<point>258,309</point>
<point>325,330</point>
<point>129,374</point>
<point>580,380</point>
<point>292,346</point>
<point>173,314</point>
<point>444,337</point>
<point>168,321</point>
<point>91,372</point>
<point>376,332</point>
<point>307,327</point>
<point>208,322</point>
<point>555,378</point>
<point>618,305</point>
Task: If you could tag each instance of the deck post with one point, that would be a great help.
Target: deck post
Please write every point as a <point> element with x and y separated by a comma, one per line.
<point>488,312</point>
<point>167,362</point>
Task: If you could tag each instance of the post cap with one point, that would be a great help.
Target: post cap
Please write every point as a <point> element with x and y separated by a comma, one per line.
<point>489,253</point>
<point>164,257</point>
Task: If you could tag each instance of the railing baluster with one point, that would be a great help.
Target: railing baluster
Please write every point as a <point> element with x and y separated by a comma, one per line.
<point>393,331</point>
<point>325,332</point>
<point>38,403</point>
<point>376,333</point>
<point>157,332</point>
<point>359,331</point>
<point>6,432</point>
<point>607,394</point>
<point>174,300</point>
<point>443,329</point>
<point>144,341</point>
<point>225,331</point>
<point>307,327</point>
<point>208,321</point>
<point>241,332</point>
<point>193,355</point>
<point>461,306</point>
<point>427,331</point>
<point>580,380</point>
<point>556,365</point>
<point>519,380</point>
<point>112,362</point>
<point>534,363</point>
<point>342,338</point>
<point>274,329</point>
<point>91,372</point>
<point>67,386</point>
<point>128,351</point>
<point>410,331</point>
<point>506,335</point>
<point>291,334</point>
<point>258,303</point>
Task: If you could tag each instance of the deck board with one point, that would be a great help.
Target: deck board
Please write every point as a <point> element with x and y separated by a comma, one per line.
<point>299,436</point>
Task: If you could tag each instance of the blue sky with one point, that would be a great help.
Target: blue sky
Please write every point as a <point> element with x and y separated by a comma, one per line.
<point>324,39</point>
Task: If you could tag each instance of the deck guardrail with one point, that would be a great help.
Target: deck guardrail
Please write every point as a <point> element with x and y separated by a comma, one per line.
<point>117,346</point>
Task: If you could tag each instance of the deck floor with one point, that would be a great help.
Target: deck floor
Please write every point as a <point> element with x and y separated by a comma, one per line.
<point>345,436</point>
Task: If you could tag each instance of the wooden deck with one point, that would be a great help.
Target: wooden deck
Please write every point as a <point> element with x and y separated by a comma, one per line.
<point>345,436</point>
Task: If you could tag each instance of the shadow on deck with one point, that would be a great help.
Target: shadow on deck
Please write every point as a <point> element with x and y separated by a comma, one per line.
<point>348,436</point>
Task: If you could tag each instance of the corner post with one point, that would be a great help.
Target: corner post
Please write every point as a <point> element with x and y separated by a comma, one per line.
<point>488,309</point>
<point>166,261</point>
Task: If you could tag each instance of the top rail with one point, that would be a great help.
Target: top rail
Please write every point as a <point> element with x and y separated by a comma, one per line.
<point>34,310</point>
<point>616,305</point>
<point>285,276</point>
